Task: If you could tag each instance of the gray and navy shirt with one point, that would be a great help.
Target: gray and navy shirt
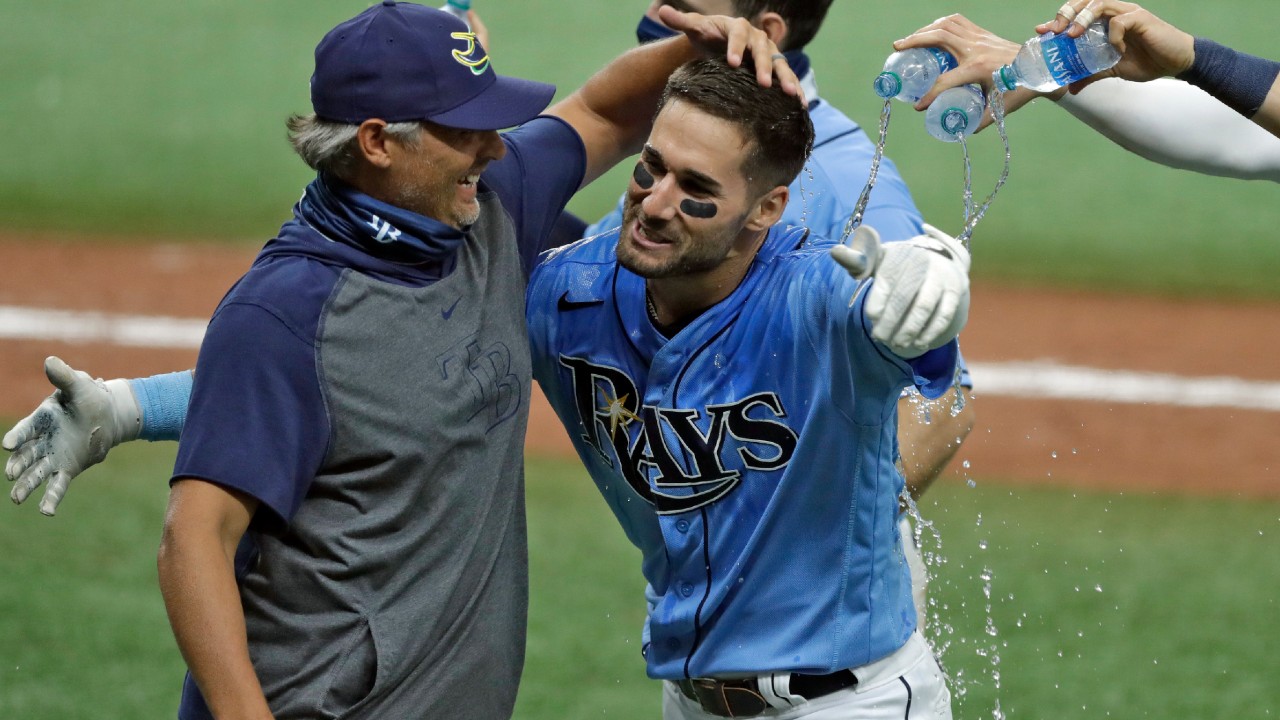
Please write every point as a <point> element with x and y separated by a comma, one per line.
<point>371,392</point>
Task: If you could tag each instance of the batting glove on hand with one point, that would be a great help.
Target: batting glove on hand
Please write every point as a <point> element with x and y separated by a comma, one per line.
<point>920,297</point>
<point>71,430</point>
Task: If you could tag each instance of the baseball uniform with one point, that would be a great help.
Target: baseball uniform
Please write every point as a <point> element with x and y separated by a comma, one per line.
<point>750,458</point>
<point>367,381</point>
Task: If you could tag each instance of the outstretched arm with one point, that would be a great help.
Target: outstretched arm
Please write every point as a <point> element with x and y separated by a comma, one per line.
<point>76,426</point>
<point>919,299</point>
<point>1153,120</point>
<point>613,111</point>
<point>1152,48</point>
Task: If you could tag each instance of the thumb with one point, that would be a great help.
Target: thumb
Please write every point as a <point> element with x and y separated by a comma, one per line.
<point>60,373</point>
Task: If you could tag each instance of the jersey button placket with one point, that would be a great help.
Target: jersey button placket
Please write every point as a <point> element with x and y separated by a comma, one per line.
<point>682,525</point>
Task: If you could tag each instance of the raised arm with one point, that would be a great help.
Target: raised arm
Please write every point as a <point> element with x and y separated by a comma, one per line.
<point>614,110</point>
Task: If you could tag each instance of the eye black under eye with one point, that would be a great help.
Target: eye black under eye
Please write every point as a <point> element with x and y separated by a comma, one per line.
<point>695,208</point>
<point>642,176</point>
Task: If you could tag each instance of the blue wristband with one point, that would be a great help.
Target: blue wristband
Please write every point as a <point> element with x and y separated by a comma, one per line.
<point>1241,81</point>
<point>163,400</point>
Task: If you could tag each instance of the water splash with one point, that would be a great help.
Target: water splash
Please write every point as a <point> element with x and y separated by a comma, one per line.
<point>973,217</point>
<point>856,218</point>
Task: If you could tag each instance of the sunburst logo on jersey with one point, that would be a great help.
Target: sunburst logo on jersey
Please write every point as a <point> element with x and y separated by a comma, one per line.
<point>464,57</point>
<point>616,409</point>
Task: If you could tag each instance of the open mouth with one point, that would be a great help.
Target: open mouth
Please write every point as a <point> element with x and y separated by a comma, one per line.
<point>469,182</point>
<point>644,237</point>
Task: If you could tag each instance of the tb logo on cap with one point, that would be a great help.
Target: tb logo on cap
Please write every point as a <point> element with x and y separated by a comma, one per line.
<point>464,57</point>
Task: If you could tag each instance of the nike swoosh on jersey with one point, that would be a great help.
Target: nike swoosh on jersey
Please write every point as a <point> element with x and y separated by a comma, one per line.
<point>564,303</point>
<point>446,314</point>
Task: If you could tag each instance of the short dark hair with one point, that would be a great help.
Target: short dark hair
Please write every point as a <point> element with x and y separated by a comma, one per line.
<point>803,17</point>
<point>776,124</point>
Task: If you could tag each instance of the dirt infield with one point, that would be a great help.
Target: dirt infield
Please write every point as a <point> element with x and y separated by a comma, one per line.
<point>1099,444</point>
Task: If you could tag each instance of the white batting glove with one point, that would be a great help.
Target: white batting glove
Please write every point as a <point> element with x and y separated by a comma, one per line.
<point>71,430</point>
<point>920,297</point>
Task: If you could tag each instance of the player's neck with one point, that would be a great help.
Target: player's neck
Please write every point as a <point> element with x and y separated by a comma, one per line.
<point>675,302</point>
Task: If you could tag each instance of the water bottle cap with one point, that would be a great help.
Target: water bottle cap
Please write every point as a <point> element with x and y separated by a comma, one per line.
<point>954,120</point>
<point>888,84</point>
<point>460,4</point>
<point>1004,76</point>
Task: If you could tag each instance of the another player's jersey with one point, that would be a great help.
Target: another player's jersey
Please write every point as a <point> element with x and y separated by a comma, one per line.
<point>750,457</point>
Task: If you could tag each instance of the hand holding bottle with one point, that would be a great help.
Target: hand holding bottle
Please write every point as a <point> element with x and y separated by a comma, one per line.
<point>1150,47</point>
<point>978,51</point>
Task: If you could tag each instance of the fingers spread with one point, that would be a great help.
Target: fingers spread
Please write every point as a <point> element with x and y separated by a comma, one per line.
<point>30,480</point>
<point>18,462</point>
<point>20,433</point>
<point>53,495</point>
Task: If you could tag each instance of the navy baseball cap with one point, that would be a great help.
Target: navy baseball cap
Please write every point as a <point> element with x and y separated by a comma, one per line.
<point>400,62</point>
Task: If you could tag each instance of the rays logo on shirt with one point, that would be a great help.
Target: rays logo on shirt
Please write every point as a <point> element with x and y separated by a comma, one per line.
<point>465,57</point>
<point>608,405</point>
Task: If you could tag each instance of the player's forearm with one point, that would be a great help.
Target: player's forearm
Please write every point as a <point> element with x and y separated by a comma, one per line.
<point>196,564</point>
<point>929,434</point>
<point>1175,124</point>
<point>163,400</point>
<point>613,111</point>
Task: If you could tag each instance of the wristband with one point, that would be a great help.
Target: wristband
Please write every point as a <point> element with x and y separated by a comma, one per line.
<point>1239,80</point>
<point>163,401</point>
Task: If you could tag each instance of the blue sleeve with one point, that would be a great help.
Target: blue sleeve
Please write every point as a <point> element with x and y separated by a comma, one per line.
<point>257,421</point>
<point>162,400</point>
<point>543,168</point>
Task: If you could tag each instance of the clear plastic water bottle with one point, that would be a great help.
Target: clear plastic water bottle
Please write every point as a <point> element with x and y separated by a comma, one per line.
<point>954,111</point>
<point>458,9</point>
<point>908,74</point>
<point>1049,61</point>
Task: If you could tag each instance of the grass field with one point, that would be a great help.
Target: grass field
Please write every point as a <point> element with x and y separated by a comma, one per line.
<point>1116,606</point>
<point>167,119</point>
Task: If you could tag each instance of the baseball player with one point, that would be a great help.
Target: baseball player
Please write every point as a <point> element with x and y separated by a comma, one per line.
<point>733,394</point>
<point>822,198</point>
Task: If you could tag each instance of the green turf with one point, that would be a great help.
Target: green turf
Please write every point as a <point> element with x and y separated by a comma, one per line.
<point>167,119</point>
<point>1182,626</point>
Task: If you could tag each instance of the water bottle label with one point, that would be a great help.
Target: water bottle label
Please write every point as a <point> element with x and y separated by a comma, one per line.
<point>946,62</point>
<point>1063,59</point>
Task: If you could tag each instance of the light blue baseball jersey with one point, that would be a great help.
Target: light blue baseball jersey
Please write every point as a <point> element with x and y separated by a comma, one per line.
<point>750,457</point>
<point>824,194</point>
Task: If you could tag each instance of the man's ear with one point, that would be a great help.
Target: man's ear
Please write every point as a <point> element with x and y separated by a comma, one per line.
<point>773,25</point>
<point>768,210</point>
<point>373,141</point>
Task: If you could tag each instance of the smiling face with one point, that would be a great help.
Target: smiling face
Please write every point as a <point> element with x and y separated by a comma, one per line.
<point>689,208</point>
<point>437,176</point>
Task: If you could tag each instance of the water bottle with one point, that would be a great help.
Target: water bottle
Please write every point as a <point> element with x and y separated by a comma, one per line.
<point>956,110</point>
<point>908,74</point>
<point>458,9</point>
<point>1049,61</point>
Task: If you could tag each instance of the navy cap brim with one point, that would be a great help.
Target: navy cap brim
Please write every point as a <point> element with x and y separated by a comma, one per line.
<point>508,102</point>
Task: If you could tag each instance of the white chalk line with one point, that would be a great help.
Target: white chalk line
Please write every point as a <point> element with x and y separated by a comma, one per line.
<point>1043,379</point>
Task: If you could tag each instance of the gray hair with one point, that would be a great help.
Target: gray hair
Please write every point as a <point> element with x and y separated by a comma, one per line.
<point>330,147</point>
